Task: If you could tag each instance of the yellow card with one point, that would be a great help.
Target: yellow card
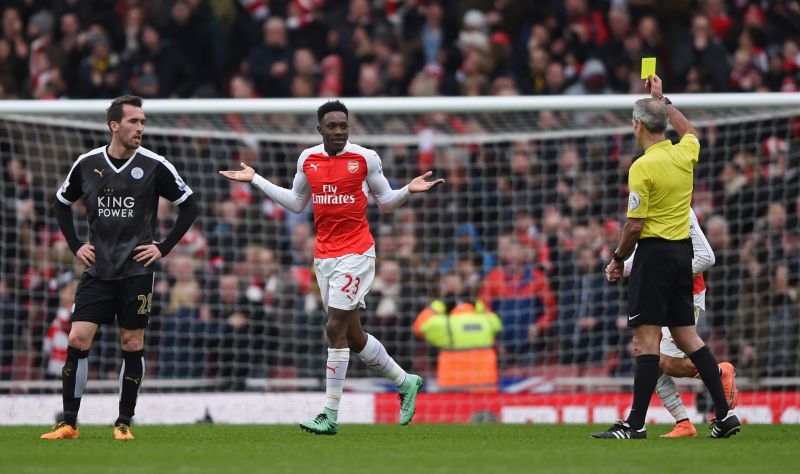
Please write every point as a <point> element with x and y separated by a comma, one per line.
<point>648,67</point>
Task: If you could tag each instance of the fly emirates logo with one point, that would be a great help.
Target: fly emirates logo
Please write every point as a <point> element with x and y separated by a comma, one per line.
<point>329,196</point>
<point>113,206</point>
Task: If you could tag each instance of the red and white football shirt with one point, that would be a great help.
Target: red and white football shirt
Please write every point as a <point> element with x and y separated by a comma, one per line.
<point>337,187</point>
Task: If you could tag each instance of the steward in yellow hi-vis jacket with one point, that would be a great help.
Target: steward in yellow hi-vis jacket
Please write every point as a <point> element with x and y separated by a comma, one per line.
<point>465,339</point>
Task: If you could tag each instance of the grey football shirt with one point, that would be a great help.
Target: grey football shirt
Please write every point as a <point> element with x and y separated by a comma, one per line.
<point>121,198</point>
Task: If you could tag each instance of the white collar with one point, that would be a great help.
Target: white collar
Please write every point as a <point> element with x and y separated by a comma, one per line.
<point>345,149</point>
<point>108,160</point>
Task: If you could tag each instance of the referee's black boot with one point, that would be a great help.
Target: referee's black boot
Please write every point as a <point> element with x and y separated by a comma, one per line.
<point>729,426</point>
<point>621,430</point>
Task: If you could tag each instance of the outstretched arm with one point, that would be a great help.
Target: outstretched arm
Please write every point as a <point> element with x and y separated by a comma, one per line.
<point>294,199</point>
<point>389,199</point>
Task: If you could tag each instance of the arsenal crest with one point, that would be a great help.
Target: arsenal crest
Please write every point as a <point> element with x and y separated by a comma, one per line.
<point>352,166</point>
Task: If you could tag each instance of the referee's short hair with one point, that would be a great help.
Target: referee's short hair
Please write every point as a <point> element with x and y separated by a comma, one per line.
<point>114,111</point>
<point>652,113</point>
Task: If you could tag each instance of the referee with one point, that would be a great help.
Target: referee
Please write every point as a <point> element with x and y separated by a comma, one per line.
<point>660,184</point>
<point>120,185</point>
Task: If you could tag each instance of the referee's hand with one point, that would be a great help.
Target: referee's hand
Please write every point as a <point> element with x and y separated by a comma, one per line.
<point>146,253</point>
<point>655,85</point>
<point>613,271</point>
<point>86,254</point>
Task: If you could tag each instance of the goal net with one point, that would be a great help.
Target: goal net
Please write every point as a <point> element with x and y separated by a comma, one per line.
<point>532,207</point>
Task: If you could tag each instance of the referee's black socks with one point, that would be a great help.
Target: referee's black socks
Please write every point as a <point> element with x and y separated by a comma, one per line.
<point>708,369</point>
<point>644,384</point>
<point>73,382</point>
<point>130,379</point>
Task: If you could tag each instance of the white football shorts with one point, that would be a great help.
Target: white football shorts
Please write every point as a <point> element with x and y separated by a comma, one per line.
<point>668,347</point>
<point>345,281</point>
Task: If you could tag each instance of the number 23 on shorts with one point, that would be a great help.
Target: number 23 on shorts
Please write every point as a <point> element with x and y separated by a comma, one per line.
<point>351,287</point>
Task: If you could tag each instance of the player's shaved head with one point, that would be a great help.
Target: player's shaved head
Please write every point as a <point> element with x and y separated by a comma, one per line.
<point>652,113</point>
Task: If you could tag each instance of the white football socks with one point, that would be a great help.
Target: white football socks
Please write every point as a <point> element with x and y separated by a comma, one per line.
<point>377,359</point>
<point>668,393</point>
<point>335,372</point>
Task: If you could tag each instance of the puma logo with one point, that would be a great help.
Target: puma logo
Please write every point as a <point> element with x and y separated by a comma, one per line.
<point>66,372</point>
<point>314,165</point>
<point>134,380</point>
<point>100,172</point>
<point>332,369</point>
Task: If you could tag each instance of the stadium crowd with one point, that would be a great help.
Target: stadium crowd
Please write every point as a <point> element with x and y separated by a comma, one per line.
<point>526,225</point>
<point>324,48</point>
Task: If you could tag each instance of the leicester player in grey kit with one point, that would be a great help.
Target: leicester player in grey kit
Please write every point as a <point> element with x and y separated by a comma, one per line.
<point>120,185</point>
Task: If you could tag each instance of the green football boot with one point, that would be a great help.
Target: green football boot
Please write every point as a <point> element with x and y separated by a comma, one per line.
<point>320,425</point>
<point>408,397</point>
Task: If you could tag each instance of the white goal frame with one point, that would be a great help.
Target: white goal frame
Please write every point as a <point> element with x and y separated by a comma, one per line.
<point>389,105</point>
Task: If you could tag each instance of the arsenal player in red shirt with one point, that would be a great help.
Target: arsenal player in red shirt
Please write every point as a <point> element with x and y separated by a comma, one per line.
<point>336,177</point>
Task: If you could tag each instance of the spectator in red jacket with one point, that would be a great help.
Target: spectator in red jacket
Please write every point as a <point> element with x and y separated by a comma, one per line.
<point>520,294</point>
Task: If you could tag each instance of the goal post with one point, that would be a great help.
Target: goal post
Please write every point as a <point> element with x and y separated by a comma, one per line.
<point>385,105</point>
<point>536,186</point>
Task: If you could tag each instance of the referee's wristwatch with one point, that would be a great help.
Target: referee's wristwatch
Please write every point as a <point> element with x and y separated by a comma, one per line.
<point>618,258</point>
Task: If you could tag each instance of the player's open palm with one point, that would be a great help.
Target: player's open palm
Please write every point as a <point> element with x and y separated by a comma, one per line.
<point>420,185</point>
<point>246,174</point>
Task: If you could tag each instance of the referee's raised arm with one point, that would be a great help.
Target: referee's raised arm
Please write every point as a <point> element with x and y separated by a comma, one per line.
<point>678,121</point>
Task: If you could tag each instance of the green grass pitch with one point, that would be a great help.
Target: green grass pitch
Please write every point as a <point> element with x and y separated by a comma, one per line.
<point>424,448</point>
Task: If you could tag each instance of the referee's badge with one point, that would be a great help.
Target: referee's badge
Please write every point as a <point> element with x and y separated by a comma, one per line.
<point>137,173</point>
<point>633,200</point>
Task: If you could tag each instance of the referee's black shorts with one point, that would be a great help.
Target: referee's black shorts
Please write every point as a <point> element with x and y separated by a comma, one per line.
<point>660,285</point>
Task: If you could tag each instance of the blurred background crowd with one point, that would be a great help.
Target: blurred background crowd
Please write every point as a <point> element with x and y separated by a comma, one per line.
<point>524,225</point>
<point>372,48</point>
